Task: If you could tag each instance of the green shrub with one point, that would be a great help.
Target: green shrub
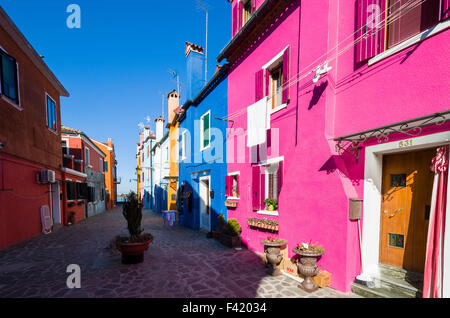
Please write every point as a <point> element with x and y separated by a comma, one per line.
<point>233,228</point>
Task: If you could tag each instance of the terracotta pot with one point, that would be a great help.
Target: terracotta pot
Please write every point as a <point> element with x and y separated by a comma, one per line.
<point>133,253</point>
<point>216,235</point>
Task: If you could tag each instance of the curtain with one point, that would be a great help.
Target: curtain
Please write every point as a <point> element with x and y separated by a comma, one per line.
<point>433,274</point>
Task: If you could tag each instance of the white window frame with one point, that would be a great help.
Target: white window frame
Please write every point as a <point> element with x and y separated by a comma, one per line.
<point>67,143</point>
<point>268,66</point>
<point>265,163</point>
<point>201,131</point>
<point>183,145</point>
<point>234,174</point>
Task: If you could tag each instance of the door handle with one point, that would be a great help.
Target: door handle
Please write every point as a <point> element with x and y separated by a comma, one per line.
<point>394,214</point>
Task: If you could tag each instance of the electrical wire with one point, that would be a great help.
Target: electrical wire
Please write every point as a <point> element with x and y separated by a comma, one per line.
<point>393,17</point>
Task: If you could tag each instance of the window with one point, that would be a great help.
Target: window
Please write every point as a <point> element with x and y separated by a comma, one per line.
<point>51,113</point>
<point>183,145</point>
<point>232,185</point>
<point>87,154</point>
<point>91,194</point>
<point>65,146</point>
<point>271,179</point>
<point>101,165</point>
<point>405,19</point>
<point>267,181</point>
<point>247,11</point>
<point>148,152</point>
<point>105,169</point>
<point>82,191</point>
<point>9,81</point>
<point>411,21</point>
<point>275,86</point>
<point>71,190</point>
<point>272,81</point>
<point>205,133</point>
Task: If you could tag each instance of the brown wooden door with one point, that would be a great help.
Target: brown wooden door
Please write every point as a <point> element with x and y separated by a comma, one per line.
<point>406,199</point>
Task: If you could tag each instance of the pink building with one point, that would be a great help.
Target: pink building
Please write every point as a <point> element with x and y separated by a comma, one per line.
<point>359,130</point>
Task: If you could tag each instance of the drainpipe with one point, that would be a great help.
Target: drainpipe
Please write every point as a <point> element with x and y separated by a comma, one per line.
<point>64,220</point>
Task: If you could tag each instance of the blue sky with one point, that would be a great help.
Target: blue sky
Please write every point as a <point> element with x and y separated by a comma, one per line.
<point>116,64</point>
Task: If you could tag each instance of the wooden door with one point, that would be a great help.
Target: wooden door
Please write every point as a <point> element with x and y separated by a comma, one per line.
<point>406,199</point>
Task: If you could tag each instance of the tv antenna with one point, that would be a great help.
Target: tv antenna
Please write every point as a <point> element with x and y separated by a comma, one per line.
<point>175,79</point>
<point>162,102</point>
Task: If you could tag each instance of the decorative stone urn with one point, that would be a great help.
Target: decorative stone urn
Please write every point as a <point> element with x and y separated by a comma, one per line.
<point>308,268</point>
<point>273,255</point>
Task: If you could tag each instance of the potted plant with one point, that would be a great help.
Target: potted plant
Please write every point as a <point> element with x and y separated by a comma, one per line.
<point>132,247</point>
<point>231,234</point>
<point>271,204</point>
<point>309,253</point>
<point>234,192</point>
<point>272,247</point>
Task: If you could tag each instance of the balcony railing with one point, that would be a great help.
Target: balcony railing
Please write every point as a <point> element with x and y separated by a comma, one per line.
<point>118,180</point>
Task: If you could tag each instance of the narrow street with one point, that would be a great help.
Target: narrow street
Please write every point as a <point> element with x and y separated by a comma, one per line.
<point>179,263</point>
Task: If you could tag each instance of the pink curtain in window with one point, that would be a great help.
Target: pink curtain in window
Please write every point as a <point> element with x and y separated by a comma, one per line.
<point>433,275</point>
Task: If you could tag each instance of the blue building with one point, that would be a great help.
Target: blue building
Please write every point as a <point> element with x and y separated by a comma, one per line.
<point>202,164</point>
<point>148,168</point>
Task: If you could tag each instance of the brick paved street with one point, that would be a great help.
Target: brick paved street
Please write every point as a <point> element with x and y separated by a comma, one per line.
<point>179,263</point>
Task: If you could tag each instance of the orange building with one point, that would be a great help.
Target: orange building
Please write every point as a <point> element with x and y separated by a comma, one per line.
<point>110,169</point>
<point>173,125</point>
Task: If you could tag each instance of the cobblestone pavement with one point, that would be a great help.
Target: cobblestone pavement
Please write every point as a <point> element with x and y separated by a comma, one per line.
<point>179,263</point>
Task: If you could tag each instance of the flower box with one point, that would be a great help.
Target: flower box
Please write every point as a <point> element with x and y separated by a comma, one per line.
<point>231,203</point>
<point>263,224</point>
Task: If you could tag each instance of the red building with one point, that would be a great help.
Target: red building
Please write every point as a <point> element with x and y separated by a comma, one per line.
<point>30,138</point>
<point>84,173</point>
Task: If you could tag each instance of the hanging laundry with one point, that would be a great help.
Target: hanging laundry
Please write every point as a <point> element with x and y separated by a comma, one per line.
<point>257,123</point>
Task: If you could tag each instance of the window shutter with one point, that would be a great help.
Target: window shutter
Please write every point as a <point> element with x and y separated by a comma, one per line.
<point>240,14</point>
<point>267,83</point>
<point>237,186</point>
<point>227,186</point>
<point>256,187</point>
<point>263,187</point>
<point>235,20</point>
<point>285,83</point>
<point>259,80</point>
<point>280,176</point>
<point>253,6</point>
<point>370,13</point>
<point>445,9</point>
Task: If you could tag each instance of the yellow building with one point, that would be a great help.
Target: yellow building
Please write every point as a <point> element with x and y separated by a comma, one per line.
<point>110,171</point>
<point>172,124</point>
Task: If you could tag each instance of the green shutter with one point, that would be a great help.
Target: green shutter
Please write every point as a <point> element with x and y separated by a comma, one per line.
<point>206,130</point>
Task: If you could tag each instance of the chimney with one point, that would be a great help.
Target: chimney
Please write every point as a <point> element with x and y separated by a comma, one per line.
<point>109,142</point>
<point>173,102</point>
<point>159,128</point>
<point>195,69</point>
